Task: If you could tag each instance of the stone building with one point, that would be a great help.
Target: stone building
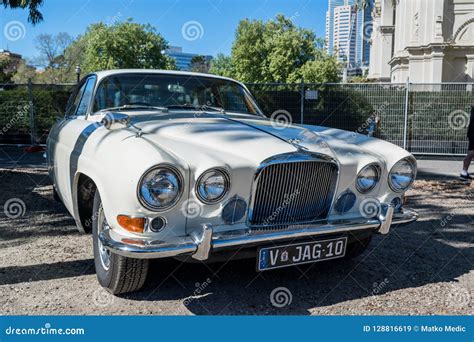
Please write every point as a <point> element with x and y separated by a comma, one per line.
<point>425,41</point>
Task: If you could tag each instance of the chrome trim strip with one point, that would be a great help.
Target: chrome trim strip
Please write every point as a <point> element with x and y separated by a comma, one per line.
<point>386,220</point>
<point>203,241</point>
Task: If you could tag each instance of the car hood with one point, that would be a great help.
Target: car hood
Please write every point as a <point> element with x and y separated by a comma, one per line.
<point>233,139</point>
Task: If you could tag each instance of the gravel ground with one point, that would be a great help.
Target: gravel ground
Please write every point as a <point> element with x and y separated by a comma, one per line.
<point>46,266</point>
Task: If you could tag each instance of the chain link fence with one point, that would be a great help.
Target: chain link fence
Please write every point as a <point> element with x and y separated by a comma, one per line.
<point>28,111</point>
<point>428,119</point>
<point>423,118</point>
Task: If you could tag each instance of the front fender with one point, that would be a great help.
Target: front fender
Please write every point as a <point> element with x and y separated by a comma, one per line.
<point>115,161</point>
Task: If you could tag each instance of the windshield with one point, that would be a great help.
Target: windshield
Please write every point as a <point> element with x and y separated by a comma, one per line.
<point>173,91</point>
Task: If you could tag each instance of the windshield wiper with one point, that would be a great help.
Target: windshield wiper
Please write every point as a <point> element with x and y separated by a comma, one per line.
<point>128,107</point>
<point>196,107</point>
<point>217,109</point>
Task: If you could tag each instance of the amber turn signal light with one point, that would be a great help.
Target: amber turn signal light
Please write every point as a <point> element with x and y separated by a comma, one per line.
<point>132,224</point>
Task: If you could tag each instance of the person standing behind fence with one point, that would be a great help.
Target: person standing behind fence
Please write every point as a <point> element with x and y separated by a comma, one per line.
<point>470,153</point>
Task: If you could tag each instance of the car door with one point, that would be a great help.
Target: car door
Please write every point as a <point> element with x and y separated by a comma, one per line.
<point>65,140</point>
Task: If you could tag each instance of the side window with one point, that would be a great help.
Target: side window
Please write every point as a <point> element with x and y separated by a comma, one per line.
<point>86,97</point>
<point>74,100</point>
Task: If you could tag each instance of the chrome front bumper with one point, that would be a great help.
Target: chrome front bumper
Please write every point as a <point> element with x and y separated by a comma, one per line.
<point>199,244</point>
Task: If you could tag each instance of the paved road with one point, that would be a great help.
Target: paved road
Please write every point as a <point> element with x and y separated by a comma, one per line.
<point>13,156</point>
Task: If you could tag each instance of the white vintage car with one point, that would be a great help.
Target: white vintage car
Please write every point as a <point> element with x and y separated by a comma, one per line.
<point>160,164</point>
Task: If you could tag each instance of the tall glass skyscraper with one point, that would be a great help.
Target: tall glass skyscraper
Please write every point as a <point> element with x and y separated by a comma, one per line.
<point>348,24</point>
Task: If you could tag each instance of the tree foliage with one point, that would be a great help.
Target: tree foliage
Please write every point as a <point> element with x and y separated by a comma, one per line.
<point>277,51</point>
<point>57,58</point>
<point>222,65</point>
<point>25,72</point>
<point>34,15</point>
<point>5,75</point>
<point>200,64</point>
<point>123,45</point>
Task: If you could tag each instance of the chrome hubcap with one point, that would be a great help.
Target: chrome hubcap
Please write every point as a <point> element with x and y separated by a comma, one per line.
<point>104,253</point>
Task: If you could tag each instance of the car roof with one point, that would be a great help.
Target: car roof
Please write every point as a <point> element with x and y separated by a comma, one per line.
<point>105,73</point>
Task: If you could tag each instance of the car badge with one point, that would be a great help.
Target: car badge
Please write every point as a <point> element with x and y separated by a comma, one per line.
<point>284,256</point>
<point>296,143</point>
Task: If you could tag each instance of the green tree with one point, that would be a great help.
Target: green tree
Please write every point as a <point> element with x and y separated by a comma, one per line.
<point>5,76</point>
<point>123,45</point>
<point>222,65</point>
<point>24,72</point>
<point>56,57</point>
<point>34,15</point>
<point>279,51</point>
<point>324,69</point>
<point>200,64</point>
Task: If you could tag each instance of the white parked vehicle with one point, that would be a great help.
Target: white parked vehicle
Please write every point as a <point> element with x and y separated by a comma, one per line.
<point>160,164</point>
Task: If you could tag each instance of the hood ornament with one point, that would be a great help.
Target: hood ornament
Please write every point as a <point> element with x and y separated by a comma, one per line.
<point>296,143</point>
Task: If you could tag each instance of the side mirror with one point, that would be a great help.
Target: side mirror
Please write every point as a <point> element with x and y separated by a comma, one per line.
<point>113,121</point>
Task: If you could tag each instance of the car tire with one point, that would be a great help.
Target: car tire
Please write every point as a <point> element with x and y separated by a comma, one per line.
<point>56,195</point>
<point>116,273</point>
<point>356,248</point>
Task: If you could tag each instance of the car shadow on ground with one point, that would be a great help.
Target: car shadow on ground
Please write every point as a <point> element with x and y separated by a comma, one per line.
<point>437,248</point>
<point>411,256</point>
<point>28,208</point>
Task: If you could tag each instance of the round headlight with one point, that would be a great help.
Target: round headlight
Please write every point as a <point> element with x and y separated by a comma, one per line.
<point>368,178</point>
<point>402,175</point>
<point>160,187</point>
<point>212,185</point>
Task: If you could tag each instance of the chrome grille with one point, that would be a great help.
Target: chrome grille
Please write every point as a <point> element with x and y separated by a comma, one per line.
<point>296,192</point>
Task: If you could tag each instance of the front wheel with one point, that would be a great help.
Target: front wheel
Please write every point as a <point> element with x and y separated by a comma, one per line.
<point>116,273</point>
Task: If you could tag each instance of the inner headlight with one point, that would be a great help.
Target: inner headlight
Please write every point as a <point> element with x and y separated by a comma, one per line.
<point>368,178</point>
<point>160,187</point>
<point>402,175</point>
<point>212,185</point>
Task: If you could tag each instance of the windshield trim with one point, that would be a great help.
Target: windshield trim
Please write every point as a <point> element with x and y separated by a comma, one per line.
<point>248,93</point>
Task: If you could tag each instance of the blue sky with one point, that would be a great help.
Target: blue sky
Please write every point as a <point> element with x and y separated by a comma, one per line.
<point>217,18</point>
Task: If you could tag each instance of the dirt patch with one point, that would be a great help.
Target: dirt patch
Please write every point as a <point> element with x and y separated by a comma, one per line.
<point>426,267</point>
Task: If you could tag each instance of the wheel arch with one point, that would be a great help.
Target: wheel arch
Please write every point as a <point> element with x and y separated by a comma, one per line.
<point>84,188</point>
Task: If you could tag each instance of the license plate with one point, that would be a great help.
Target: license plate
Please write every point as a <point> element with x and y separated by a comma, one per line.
<point>300,253</point>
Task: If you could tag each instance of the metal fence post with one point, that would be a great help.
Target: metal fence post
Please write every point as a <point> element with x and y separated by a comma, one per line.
<point>32,114</point>
<point>405,123</point>
<point>302,102</point>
